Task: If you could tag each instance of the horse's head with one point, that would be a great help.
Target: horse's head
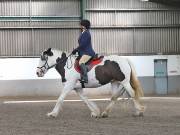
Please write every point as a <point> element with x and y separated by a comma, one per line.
<point>52,58</point>
<point>47,60</point>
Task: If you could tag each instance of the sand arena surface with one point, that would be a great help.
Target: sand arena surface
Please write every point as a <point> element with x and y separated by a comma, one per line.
<point>162,117</point>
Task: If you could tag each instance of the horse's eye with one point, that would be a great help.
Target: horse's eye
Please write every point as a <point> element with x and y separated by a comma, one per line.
<point>41,57</point>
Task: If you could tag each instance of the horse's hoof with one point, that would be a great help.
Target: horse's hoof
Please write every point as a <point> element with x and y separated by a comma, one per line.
<point>139,114</point>
<point>143,108</point>
<point>52,115</point>
<point>94,115</point>
<point>104,115</point>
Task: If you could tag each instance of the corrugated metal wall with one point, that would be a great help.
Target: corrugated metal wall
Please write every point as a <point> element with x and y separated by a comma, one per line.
<point>133,18</point>
<point>123,4</point>
<point>125,27</point>
<point>134,27</point>
<point>27,27</point>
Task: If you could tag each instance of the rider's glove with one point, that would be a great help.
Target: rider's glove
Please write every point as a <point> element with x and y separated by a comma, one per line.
<point>74,51</point>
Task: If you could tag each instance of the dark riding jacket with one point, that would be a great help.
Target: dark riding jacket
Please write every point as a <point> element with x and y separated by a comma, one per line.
<point>85,46</point>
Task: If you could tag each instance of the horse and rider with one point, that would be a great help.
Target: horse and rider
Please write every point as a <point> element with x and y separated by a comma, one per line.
<point>113,69</point>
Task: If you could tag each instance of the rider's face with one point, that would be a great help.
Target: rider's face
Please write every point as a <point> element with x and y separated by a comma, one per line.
<point>82,28</point>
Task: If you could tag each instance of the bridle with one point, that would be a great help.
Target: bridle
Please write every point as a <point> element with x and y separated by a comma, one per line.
<point>46,65</point>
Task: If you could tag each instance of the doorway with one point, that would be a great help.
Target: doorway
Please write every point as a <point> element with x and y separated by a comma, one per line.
<point>160,75</point>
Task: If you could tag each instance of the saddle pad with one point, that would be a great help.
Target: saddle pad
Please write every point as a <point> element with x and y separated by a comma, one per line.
<point>89,64</point>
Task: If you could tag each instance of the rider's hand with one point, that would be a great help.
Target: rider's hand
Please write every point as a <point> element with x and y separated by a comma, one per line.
<point>74,51</point>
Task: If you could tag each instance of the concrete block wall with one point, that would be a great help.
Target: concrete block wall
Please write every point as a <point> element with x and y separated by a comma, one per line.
<point>18,78</point>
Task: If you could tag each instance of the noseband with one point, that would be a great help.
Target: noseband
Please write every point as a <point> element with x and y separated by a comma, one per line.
<point>46,65</point>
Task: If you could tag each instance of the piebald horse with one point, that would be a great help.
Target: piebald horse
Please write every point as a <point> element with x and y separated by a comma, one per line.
<point>113,69</point>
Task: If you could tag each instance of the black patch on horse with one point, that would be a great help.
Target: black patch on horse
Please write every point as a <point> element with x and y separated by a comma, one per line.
<point>61,62</point>
<point>108,72</point>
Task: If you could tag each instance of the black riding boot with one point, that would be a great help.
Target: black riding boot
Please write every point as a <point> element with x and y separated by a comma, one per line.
<point>84,77</point>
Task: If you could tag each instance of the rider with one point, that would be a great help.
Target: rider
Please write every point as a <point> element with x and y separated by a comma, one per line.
<point>84,49</point>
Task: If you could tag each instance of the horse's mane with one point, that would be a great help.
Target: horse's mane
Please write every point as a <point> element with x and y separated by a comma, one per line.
<point>57,51</point>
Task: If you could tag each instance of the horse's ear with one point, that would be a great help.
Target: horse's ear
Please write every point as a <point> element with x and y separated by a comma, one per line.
<point>49,52</point>
<point>63,55</point>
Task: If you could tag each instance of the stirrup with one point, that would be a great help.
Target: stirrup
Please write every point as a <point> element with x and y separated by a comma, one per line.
<point>83,81</point>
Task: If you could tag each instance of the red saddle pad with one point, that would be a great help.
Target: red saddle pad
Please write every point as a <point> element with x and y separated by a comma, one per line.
<point>90,64</point>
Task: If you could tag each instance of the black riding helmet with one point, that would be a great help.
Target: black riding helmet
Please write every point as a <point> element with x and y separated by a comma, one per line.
<point>85,23</point>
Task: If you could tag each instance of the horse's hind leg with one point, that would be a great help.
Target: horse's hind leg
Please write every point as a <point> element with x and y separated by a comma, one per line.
<point>116,92</point>
<point>95,111</point>
<point>139,109</point>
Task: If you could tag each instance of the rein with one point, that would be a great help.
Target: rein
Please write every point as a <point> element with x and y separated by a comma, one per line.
<point>49,67</point>
<point>70,61</point>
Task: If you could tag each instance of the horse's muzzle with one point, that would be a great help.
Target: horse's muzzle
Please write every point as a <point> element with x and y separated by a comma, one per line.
<point>39,72</point>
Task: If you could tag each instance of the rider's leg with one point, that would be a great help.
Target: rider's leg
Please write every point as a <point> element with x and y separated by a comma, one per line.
<point>82,61</point>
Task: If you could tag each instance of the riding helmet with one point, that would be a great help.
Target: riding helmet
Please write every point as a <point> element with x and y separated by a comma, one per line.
<point>85,23</point>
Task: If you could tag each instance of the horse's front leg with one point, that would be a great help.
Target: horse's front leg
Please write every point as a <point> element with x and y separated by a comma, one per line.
<point>67,88</point>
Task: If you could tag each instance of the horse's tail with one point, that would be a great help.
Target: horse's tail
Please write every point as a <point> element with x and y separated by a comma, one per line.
<point>135,82</point>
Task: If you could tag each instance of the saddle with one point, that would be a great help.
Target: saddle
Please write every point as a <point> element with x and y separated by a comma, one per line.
<point>90,64</point>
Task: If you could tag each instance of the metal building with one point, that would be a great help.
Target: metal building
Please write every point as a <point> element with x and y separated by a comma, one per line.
<point>123,27</point>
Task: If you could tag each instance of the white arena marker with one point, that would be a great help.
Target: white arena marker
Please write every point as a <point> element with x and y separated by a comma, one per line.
<point>166,98</point>
<point>35,101</point>
<point>48,101</point>
<point>104,99</point>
